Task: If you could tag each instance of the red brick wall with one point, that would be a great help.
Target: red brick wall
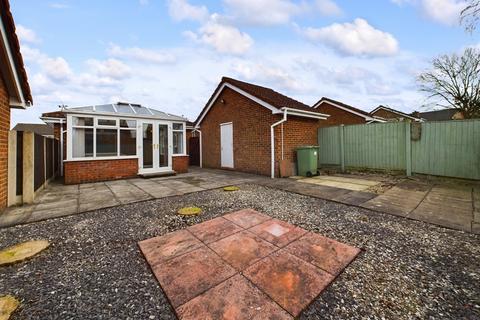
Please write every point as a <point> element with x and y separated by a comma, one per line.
<point>99,170</point>
<point>180,164</point>
<point>386,114</point>
<point>4,129</point>
<point>338,116</point>
<point>251,134</point>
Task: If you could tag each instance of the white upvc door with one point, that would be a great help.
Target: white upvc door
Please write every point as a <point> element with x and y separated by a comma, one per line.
<point>154,145</point>
<point>226,145</point>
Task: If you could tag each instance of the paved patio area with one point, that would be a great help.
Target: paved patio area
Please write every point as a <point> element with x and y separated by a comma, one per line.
<point>450,203</point>
<point>244,265</point>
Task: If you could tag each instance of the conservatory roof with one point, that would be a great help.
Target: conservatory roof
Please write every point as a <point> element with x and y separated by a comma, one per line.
<point>124,109</point>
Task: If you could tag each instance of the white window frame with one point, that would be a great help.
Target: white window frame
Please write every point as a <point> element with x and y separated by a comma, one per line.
<point>184,131</point>
<point>70,128</point>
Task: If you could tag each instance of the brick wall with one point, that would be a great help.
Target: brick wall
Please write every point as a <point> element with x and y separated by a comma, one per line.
<point>386,114</point>
<point>99,170</point>
<point>180,164</point>
<point>251,134</point>
<point>338,116</point>
<point>4,128</point>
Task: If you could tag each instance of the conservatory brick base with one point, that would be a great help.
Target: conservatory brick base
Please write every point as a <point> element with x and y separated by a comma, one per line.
<point>99,170</point>
<point>180,164</point>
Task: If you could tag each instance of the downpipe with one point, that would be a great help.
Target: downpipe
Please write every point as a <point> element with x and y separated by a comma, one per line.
<point>272,141</point>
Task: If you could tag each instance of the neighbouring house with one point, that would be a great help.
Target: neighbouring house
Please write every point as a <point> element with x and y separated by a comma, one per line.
<point>14,89</point>
<point>116,141</point>
<point>250,128</point>
<point>393,115</point>
<point>38,128</point>
<point>440,115</point>
<point>341,113</point>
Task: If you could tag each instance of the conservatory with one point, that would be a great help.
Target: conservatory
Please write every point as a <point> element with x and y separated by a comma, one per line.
<point>114,141</point>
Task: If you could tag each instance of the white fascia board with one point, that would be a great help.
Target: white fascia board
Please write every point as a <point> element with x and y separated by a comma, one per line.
<point>305,113</point>
<point>21,103</point>
<point>243,93</point>
<point>368,118</point>
<point>122,115</point>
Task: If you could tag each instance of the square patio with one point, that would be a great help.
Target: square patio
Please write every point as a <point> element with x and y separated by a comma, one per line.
<point>244,265</point>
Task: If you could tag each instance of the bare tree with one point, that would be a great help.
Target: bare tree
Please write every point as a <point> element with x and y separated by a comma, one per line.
<point>454,81</point>
<point>470,15</point>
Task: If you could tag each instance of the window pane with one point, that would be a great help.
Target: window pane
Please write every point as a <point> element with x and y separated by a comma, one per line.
<point>82,143</point>
<point>122,108</point>
<point>128,142</point>
<point>177,142</point>
<point>178,126</point>
<point>78,121</point>
<point>106,142</point>
<point>141,110</point>
<point>128,124</point>
<point>107,122</point>
<point>104,108</point>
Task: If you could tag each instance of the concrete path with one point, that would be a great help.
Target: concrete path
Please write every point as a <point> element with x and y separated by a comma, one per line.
<point>450,204</point>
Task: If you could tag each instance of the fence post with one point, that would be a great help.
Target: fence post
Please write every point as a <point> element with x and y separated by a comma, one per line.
<point>12,168</point>
<point>408,148</point>
<point>28,167</point>
<point>342,147</point>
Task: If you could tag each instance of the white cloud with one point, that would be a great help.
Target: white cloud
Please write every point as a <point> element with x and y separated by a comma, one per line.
<point>141,54</point>
<point>57,68</point>
<point>59,5</point>
<point>328,7</point>
<point>26,35</point>
<point>110,68</point>
<point>182,10</point>
<point>222,37</point>
<point>357,38</point>
<point>445,12</point>
<point>260,73</point>
<point>262,12</point>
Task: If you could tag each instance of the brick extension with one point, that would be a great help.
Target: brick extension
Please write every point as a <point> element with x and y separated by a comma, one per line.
<point>99,170</point>
<point>4,128</point>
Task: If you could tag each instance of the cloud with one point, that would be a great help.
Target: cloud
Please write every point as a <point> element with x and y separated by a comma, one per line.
<point>273,76</point>
<point>182,10</point>
<point>26,35</point>
<point>446,12</point>
<point>59,5</point>
<point>141,54</point>
<point>328,8</point>
<point>356,38</point>
<point>262,12</point>
<point>222,37</point>
<point>110,68</point>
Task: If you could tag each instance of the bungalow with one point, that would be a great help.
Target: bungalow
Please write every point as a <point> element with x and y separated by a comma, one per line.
<point>341,113</point>
<point>121,140</point>
<point>393,115</point>
<point>14,89</point>
<point>250,128</point>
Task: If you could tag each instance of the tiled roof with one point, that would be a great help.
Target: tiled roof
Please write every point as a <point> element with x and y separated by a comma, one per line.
<point>41,129</point>
<point>394,111</point>
<point>14,44</point>
<point>325,99</point>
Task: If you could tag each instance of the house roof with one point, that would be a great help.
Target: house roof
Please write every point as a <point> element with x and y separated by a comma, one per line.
<point>438,115</point>
<point>41,129</point>
<point>123,109</point>
<point>400,113</point>
<point>348,108</point>
<point>13,46</point>
<point>267,97</point>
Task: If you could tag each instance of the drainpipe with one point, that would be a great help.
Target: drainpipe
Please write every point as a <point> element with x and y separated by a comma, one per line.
<point>272,141</point>
<point>61,146</point>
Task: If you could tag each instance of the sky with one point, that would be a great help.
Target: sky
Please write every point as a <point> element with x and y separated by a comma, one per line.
<point>171,54</point>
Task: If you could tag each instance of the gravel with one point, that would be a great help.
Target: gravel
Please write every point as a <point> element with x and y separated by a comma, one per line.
<point>94,269</point>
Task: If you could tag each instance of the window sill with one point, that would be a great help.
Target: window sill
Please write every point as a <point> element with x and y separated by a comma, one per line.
<point>101,158</point>
<point>180,155</point>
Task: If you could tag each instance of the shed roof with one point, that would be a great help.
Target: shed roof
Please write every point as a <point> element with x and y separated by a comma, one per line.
<point>39,128</point>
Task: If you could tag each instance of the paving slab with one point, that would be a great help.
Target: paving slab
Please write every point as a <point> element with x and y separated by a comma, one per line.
<point>126,192</point>
<point>355,197</point>
<point>186,276</point>
<point>277,232</point>
<point>247,218</point>
<point>289,281</point>
<point>396,201</point>
<point>365,182</point>
<point>242,249</point>
<point>336,184</point>
<point>327,254</point>
<point>236,299</point>
<point>214,229</point>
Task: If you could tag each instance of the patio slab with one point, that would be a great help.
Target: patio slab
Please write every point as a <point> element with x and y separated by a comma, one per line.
<point>204,274</point>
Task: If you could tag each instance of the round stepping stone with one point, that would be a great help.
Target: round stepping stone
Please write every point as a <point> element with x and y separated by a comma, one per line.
<point>189,211</point>
<point>8,305</point>
<point>22,251</point>
<point>231,188</point>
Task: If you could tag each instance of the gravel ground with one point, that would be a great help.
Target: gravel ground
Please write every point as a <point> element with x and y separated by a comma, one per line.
<point>94,269</point>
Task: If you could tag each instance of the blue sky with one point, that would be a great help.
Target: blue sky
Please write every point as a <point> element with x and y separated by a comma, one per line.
<point>171,54</point>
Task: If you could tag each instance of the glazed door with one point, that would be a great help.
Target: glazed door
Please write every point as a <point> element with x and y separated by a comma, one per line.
<point>154,144</point>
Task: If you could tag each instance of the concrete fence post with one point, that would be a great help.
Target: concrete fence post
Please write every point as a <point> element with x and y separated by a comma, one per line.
<point>28,167</point>
<point>12,168</point>
<point>342,147</point>
<point>408,148</point>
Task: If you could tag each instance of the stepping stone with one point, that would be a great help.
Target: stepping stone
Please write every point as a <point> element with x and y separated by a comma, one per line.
<point>235,298</point>
<point>214,230</point>
<point>22,251</point>
<point>277,232</point>
<point>288,280</point>
<point>8,305</point>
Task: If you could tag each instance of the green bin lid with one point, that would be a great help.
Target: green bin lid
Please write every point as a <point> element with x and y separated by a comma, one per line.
<point>307,147</point>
